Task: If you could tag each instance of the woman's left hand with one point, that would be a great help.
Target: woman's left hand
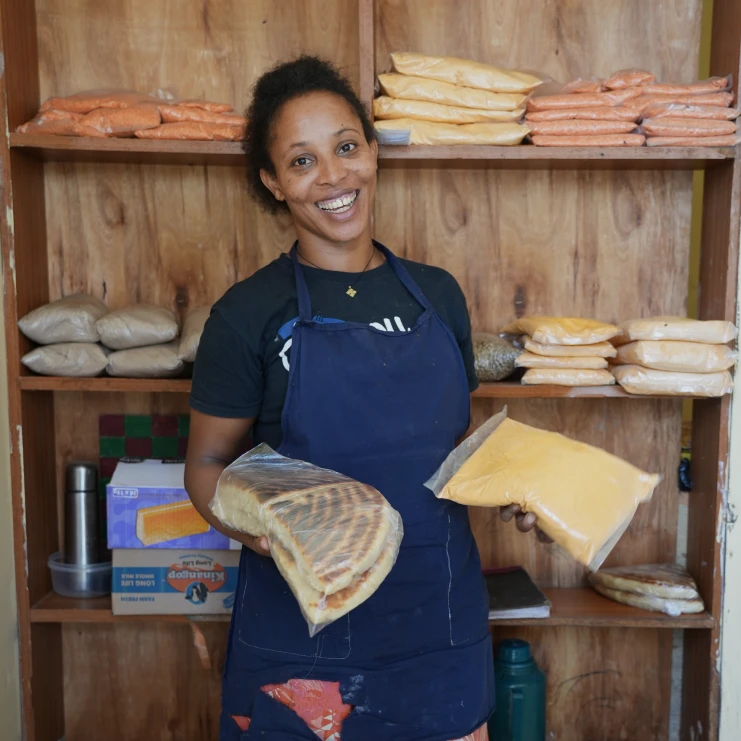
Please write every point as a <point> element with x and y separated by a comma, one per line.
<point>525,522</point>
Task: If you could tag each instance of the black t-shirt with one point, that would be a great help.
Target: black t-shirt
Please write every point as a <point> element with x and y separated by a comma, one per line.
<point>241,369</point>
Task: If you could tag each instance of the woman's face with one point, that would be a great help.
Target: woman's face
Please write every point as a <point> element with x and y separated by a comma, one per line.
<point>325,170</point>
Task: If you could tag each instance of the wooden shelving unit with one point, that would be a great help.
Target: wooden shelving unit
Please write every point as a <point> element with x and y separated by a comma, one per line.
<point>523,229</point>
<point>576,608</point>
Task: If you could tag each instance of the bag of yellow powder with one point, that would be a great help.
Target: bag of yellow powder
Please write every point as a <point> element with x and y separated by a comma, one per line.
<point>567,377</point>
<point>558,330</point>
<point>533,360</point>
<point>465,73</point>
<point>434,91</point>
<point>584,498</point>
<point>683,357</point>
<point>426,132</point>
<point>390,108</point>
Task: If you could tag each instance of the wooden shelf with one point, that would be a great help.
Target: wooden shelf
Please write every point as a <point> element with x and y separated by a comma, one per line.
<point>569,608</point>
<point>144,151</point>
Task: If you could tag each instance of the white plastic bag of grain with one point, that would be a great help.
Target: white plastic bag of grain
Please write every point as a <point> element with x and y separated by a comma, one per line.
<point>567,377</point>
<point>562,330</point>
<point>678,328</point>
<point>191,334</point>
<point>683,357</point>
<point>637,380</point>
<point>79,359</point>
<point>137,326</point>
<point>154,361</point>
<point>531,360</point>
<point>598,349</point>
<point>427,132</point>
<point>70,319</point>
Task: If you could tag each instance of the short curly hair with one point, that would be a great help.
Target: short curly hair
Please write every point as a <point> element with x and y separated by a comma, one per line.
<point>288,80</point>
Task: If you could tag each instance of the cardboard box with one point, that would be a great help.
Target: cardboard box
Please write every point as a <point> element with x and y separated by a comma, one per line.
<point>173,582</point>
<point>148,507</point>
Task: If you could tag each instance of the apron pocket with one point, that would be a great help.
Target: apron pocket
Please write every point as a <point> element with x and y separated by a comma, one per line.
<point>270,620</point>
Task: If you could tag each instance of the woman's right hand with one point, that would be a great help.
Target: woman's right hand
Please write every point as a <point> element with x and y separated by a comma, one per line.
<point>258,544</point>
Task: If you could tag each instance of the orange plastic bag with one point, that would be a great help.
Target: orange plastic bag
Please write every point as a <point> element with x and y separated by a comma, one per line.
<point>89,100</point>
<point>194,131</point>
<point>669,126</point>
<point>207,105</point>
<point>581,85</point>
<point>582,100</point>
<point>58,127</point>
<point>731,140</point>
<point>711,85</point>
<point>123,121</point>
<point>628,78</point>
<point>578,128</point>
<point>179,113</point>
<point>718,99</point>
<point>601,140</point>
<point>681,110</point>
<point>616,113</point>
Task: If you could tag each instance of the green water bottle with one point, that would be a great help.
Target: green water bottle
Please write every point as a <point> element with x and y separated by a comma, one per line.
<point>520,688</point>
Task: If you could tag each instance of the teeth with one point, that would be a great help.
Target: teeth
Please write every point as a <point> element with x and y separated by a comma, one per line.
<point>339,205</point>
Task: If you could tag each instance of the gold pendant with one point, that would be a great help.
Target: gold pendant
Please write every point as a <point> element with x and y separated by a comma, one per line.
<point>351,292</point>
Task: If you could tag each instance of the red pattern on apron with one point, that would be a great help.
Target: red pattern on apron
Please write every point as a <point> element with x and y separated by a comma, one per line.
<point>319,705</point>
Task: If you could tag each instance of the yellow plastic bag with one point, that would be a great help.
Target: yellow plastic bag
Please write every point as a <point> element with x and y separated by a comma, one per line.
<point>464,72</point>
<point>391,108</point>
<point>599,349</point>
<point>558,330</point>
<point>678,328</point>
<point>683,357</point>
<point>584,498</point>
<point>426,132</point>
<point>567,377</point>
<point>532,360</point>
<point>434,91</point>
<point>637,380</point>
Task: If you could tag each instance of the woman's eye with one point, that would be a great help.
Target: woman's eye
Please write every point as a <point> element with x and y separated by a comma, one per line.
<point>301,161</point>
<point>347,147</point>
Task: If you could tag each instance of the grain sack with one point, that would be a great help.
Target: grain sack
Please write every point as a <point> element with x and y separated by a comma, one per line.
<point>191,335</point>
<point>599,349</point>
<point>669,126</point>
<point>67,359</point>
<point>494,357</point>
<point>567,377</point>
<point>584,498</point>
<point>137,326</point>
<point>154,361</point>
<point>667,580</point>
<point>172,113</point>
<point>607,113</point>
<point>58,127</point>
<point>603,140</point>
<point>581,100</point>
<point>532,360</point>
<point>558,330</point>
<point>464,72</point>
<point>713,99</point>
<point>391,108</point>
<point>333,539</point>
<point>711,85</point>
<point>123,121</point>
<point>637,380</point>
<point>683,357</point>
<point>194,131</point>
<point>433,91</point>
<point>678,328</point>
<point>681,110</point>
<point>730,140</point>
<point>89,100</point>
<point>628,78</point>
<point>69,319</point>
<point>579,127</point>
<point>425,132</point>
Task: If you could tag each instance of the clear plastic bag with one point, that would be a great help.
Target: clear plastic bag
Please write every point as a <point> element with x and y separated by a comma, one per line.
<point>174,113</point>
<point>601,140</point>
<point>714,332</point>
<point>605,113</point>
<point>153,361</point>
<point>194,131</point>
<point>584,362</point>
<point>425,132</point>
<point>465,73</point>
<point>206,105</point>
<point>191,335</point>
<point>137,326</point>
<point>494,357</point>
<point>89,100</point>
<point>404,87</point>
<point>673,607</point>
<point>583,85</point>
<point>715,99</point>
<point>122,122</point>
<point>77,359</point>
<point>579,127</point>
<point>628,78</point>
<point>669,126</point>
<point>58,126</point>
<point>560,330</point>
<point>711,85</point>
<point>567,377</point>
<point>682,357</point>
<point>730,140</point>
<point>598,349</point>
<point>333,539</point>
<point>391,108</point>
<point>584,498</point>
<point>665,580</point>
<point>646,381</point>
<point>682,110</point>
<point>582,100</point>
<point>69,319</point>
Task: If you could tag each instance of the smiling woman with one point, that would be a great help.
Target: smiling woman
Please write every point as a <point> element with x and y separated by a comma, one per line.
<point>341,354</point>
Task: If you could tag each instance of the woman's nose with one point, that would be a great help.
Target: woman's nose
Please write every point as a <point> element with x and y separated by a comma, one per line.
<point>331,171</point>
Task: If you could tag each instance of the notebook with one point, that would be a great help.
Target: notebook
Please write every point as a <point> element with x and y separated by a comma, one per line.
<point>513,595</point>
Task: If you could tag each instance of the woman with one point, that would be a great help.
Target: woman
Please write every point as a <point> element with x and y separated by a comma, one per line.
<point>343,355</point>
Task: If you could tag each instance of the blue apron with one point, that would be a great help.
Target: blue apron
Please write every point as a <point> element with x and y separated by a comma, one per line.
<point>415,660</point>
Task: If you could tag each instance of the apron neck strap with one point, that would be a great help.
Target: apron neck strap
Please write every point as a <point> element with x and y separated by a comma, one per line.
<point>302,290</point>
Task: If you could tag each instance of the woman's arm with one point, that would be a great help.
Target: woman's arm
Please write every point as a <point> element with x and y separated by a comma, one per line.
<point>213,444</point>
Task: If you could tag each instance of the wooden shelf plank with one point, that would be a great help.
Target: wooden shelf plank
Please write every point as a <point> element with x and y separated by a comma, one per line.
<point>569,608</point>
<point>142,151</point>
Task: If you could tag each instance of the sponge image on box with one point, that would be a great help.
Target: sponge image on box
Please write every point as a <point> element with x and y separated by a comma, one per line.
<point>148,507</point>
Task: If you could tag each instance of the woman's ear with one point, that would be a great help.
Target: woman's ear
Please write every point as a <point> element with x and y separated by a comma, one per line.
<point>271,183</point>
